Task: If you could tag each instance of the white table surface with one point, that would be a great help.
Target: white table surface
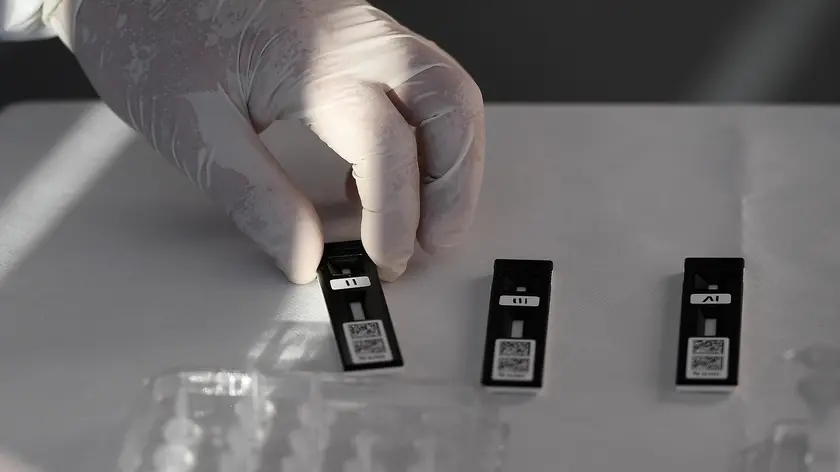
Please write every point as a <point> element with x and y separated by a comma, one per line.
<point>106,279</point>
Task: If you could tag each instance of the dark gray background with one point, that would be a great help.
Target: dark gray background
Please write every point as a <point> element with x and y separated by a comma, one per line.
<point>577,50</point>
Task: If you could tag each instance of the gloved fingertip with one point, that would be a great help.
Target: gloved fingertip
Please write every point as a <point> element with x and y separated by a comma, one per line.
<point>303,267</point>
<point>299,259</point>
<point>430,250</point>
<point>427,246</point>
<point>433,242</point>
<point>299,277</point>
<point>12,463</point>
<point>387,274</point>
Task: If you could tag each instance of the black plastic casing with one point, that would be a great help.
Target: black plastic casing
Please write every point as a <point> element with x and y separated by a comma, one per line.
<point>713,289</point>
<point>351,256</point>
<point>519,280</point>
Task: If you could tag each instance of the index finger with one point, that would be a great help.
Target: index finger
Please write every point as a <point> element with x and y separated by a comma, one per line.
<point>447,109</point>
<point>361,124</point>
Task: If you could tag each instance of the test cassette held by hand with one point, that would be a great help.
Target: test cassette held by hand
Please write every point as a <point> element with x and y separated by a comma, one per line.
<point>517,326</point>
<point>358,312</point>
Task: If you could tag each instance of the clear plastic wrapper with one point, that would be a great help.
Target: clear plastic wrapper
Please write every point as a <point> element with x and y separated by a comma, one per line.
<point>798,445</point>
<point>215,420</point>
<point>810,442</point>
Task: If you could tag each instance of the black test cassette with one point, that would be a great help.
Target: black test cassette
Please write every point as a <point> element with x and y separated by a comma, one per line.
<point>710,324</point>
<point>517,325</point>
<point>358,312</point>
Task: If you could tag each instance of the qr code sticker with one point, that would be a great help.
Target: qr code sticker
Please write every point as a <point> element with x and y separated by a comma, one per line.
<point>368,347</point>
<point>364,330</point>
<point>708,346</point>
<point>707,363</point>
<point>367,342</point>
<point>707,358</point>
<point>514,366</point>
<point>515,348</point>
<point>513,360</point>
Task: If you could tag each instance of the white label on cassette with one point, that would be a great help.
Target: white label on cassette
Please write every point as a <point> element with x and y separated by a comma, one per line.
<point>350,282</point>
<point>708,358</point>
<point>711,299</point>
<point>514,300</point>
<point>513,360</point>
<point>367,342</point>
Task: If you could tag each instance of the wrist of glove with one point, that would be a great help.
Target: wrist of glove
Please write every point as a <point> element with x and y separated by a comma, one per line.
<point>201,79</point>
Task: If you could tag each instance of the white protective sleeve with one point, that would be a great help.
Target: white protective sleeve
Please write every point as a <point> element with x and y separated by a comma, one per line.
<point>25,20</point>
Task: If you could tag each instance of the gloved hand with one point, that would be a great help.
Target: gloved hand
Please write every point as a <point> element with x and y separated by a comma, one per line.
<point>12,463</point>
<point>200,79</point>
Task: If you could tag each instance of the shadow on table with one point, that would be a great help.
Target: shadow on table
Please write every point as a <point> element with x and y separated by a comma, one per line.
<point>60,178</point>
<point>480,296</point>
<point>667,354</point>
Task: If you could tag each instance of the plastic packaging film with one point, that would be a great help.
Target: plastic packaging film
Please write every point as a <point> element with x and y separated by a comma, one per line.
<point>204,419</point>
<point>807,437</point>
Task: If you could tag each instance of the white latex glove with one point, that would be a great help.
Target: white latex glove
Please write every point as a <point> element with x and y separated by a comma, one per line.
<point>12,463</point>
<point>201,78</point>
